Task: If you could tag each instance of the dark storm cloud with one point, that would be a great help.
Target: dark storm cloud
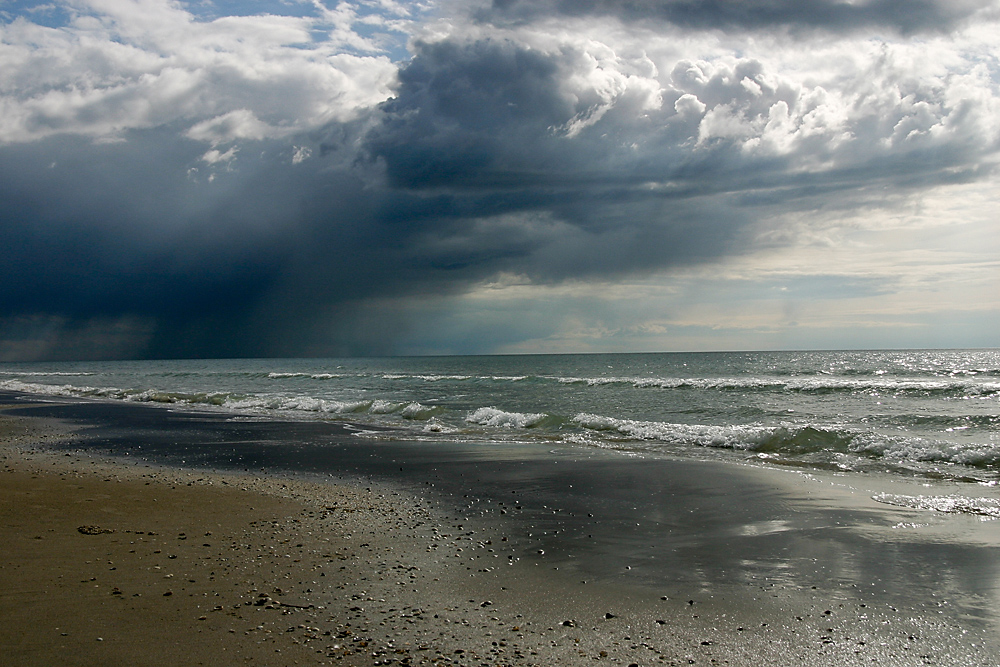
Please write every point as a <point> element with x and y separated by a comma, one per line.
<point>905,17</point>
<point>267,258</point>
<point>480,130</point>
<point>105,231</point>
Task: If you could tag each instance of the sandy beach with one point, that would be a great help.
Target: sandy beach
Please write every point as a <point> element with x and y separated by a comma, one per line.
<point>108,561</point>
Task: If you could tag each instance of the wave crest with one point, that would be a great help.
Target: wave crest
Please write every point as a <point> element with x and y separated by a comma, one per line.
<point>499,418</point>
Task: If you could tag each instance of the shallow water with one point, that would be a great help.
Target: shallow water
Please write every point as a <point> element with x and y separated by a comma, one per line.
<point>733,537</point>
<point>932,413</point>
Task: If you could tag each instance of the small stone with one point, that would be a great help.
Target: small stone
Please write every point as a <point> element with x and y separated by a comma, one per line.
<point>609,615</point>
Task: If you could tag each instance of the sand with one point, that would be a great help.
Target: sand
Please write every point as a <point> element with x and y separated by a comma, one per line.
<point>107,562</point>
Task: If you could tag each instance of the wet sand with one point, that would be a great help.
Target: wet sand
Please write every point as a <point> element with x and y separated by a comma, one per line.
<point>446,565</point>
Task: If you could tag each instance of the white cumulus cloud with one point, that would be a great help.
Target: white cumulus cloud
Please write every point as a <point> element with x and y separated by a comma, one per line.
<point>132,64</point>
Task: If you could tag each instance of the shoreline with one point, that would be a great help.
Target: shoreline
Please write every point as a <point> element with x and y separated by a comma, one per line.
<point>415,579</point>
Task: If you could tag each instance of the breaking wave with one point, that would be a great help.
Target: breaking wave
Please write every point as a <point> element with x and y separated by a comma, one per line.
<point>792,440</point>
<point>499,418</point>
<point>409,410</point>
<point>824,385</point>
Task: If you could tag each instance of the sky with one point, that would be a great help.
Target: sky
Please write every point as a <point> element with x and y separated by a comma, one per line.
<point>275,178</point>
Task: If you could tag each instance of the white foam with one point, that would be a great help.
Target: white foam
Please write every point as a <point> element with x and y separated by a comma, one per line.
<point>436,427</point>
<point>419,411</point>
<point>911,448</point>
<point>499,418</point>
<point>58,390</point>
<point>969,387</point>
<point>381,407</point>
<point>736,437</point>
<point>952,504</point>
<point>425,378</point>
<point>45,373</point>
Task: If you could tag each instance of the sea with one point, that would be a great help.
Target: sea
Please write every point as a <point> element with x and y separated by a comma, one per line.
<point>931,414</point>
<point>862,480</point>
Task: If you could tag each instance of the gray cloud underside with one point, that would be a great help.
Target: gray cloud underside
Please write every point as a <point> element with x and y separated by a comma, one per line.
<point>908,17</point>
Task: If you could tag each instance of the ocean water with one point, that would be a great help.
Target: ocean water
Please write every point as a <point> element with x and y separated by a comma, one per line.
<point>932,414</point>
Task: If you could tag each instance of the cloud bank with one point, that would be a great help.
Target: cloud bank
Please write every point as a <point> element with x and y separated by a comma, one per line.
<point>182,183</point>
<point>829,16</point>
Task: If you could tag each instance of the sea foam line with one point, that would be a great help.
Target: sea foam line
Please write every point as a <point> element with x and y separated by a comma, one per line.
<point>804,385</point>
<point>258,404</point>
<point>951,504</point>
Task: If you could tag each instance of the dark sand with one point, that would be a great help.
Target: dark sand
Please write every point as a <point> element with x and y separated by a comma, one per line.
<point>412,555</point>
